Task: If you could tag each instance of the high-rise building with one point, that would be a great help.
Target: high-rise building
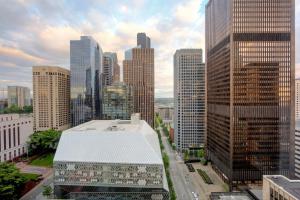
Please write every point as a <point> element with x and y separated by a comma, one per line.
<point>138,72</point>
<point>86,69</point>
<point>110,159</point>
<point>19,96</point>
<point>297,149</point>
<point>297,98</point>
<point>15,130</point>
<point>143,41</point>
<point>189,98</point>
<point>250,88</point>
<point>111,68</point>
<point>117,101</point>
<point>51,98</point>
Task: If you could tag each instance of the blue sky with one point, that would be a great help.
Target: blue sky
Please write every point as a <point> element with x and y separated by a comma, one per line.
<point>37,32</point>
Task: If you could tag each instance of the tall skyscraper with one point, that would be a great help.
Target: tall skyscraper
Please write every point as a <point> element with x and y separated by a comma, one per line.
<point>117,101</point>
<point>51,98</point>
<point>250,55</point>
<point>138,72</point>
<point>189,98</point>
<point>143,41</point>
<point>19,96</point>
<point>297,98</point>
<point>111,68</point>
<point>86,64</point>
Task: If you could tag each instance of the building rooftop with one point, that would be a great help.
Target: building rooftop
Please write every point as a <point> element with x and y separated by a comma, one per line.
<point>290,186</point>
<point>230,196</point>
<point>110,141</point>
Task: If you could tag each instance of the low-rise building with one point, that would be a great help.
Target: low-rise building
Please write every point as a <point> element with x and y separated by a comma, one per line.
<point>110,159</point>
<point>278,187</point>
<point>15,130</point>
<point>230,196</point>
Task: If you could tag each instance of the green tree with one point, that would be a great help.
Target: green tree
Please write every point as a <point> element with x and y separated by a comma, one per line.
<point>44,141</point>
<point>27,109</point>
<point>11,181</point>
<point>186,156</point>
<point>201,153</point>
<point>47,191</point>
<point>166,160</point>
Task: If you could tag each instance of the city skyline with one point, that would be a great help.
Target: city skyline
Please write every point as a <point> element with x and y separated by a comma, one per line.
<point>23,45</point>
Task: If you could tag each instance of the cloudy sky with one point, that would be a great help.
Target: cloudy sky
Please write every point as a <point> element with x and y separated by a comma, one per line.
<point>37,32</point>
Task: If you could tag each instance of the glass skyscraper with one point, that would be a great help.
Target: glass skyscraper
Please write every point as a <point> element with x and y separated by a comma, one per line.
<point>117,101</point>
<point>250,49</point>
<point>86,64</point>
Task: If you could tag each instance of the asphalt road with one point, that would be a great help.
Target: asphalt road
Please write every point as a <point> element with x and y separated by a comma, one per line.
<point>184,185</point>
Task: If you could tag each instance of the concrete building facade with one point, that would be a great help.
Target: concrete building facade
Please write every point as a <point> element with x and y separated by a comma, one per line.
<point>189,98</point>
<point>278,187</point>
<point>19,96</point>
<point>297,98</point>
<point>111,68</point>
<point>15,130</point>
<point>51,98</point>
<point>138,72</point>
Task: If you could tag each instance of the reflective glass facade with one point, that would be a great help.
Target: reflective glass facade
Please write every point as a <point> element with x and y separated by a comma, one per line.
<point>86,64</point>
<point>117,101</point>
<point>250,87</point>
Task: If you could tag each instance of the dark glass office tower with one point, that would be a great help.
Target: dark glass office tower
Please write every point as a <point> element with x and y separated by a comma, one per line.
<point>250,47</point>
<point>86,65</point>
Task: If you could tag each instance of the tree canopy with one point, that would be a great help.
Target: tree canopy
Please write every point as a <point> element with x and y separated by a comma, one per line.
<point>15,109</point>
<point>11,181</point>
<point>44,141</point>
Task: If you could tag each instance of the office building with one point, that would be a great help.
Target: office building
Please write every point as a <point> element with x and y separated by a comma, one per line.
<point>51,98</point>
<point>278,187</point>
<point>110,159</point>
<point>166,112</point>
<point>250,88</point>
<point>297,149</point>
<point>117,101</point>
<point>143,41</point>
<point>19,96</point>
<point>297,98</point>
<point>189,98</point>
<point>86,69</point>
<point>138,72</point>
<point>15,130</point>
<point>3,104</point>
<point>111,68</point>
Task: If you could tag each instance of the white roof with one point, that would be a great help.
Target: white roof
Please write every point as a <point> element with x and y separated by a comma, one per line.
<point>95,142</point>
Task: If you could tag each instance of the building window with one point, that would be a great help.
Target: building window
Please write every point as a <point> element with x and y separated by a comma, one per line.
<point>18,135</point>
<point>9,138</point>
<point>14,136</point>
<point>4,139</point>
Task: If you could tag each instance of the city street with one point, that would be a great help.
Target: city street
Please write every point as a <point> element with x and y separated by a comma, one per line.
<point>183,183</point>
<point>36,192</point>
